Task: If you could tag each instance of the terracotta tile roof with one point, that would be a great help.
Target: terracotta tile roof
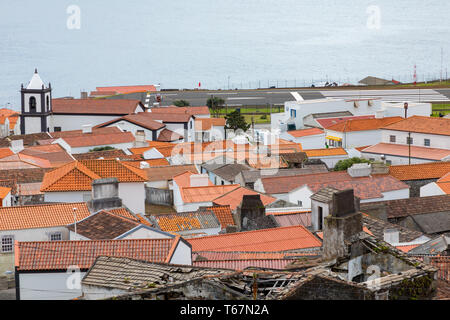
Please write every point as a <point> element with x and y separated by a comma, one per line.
<point>59,255</point>
<point>167,135</point>
<point>363,124</point>
<point>28,139</point>
<point>168,117</point>
<point>432,170</point>
<point>275,239</point>
<point>99,139</point>
<point>76,133</point>
<point>403,151</point>
<point>24,175</point>
<point>5,152</point>
<point>183,179</point>
<point>430,125</point>
<point>206,194</point>
<point>325,152</point>
<point>286,219</point>
<point>102,93</point>
<point>78,175</point>
<point>166,151</point>
<point>54,154</point>
<point>327,122</point>
<point>141,119</point>
<point>223,214</point>
<point>234,197</point>
<point>168,172</point>
<point>202,124</point>
<point>127,89</point>
<point>104,225</point>
<point>202,110</point>
<point>249,255</point>
<point>412,206</point>
<point>187,221</point>
<point>365,187</point>
<point>444,183</point>
<point>4,191</point>
<point>407,248</point>
<point>41,216</point>
<point>95,106</point>
<point>305,132</point>
<point>152,163</point>
<point>105,154</point>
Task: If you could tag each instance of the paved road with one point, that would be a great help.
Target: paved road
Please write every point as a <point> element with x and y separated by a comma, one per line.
<point>279,96</point>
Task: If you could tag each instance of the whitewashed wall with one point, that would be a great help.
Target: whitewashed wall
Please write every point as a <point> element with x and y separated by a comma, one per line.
<point>67,196</point>
<point>436,141</point>
<point>133,196</point>
<point>431,189</point>
<point>75,122</point>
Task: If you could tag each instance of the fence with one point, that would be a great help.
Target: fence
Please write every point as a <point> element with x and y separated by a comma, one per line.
<point>158,196</point>
<point>320,81</point>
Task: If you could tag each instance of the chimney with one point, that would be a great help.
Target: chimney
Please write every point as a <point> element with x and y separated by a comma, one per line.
<point>140,139</point>
<point>84,95</point>
<point>144,165</point>
<point>379,114</point>
<point>252,213</point>
<point>342,226</point>
<point>16,146</point>
<point>391,236</point>
<point>86,128</point>
<point>360,170</point>
<point>199,180</point>
<point>105,194</point>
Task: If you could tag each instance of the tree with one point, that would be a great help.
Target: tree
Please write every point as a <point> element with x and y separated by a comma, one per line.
<point>215,104</point>
<point>236,121</point>
<point>342,165</point>
<point>181,103</point>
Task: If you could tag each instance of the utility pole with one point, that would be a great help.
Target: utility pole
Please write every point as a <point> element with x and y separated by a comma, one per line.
<point>442,56</point>
<point>405,106</point>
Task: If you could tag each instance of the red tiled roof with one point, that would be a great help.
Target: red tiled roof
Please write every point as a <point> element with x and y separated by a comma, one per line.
<point>95,106</point>
<point>407,248</point>
<point>430,125</point>
<point>139,119</point>
<point>305,132</point>
<point>76,133</point>
<point>326,122</point>
<point>432,170</point>
<point>168,172</point>
<point>127,89</point>
<point>41,216</point>
<point>403,151</point>
<point>59,255</point>
<point>274,239</point>
<point>167,135</point>
<point>363,124</point>
<point>223,214</point>
<point>5,152</point>
<point>444,183</point>
<point>168,117</point>
<point>78,175</point>
<point>365,187</point>
<point>234,197</point>
<point>4,191</point>
<point>207,123</point>
<point>205,194</point>
<point>99,139</point>
<point>325,152</point>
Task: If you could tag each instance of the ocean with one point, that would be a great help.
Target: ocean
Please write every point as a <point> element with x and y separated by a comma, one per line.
<point>80,44</point>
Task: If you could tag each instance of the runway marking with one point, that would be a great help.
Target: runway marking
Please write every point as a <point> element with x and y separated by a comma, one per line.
<point>246,98</point>
<point>297,96</point>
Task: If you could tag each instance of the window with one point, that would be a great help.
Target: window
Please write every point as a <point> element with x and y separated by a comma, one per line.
<point>48,103</point>
<point>391,138</point>
<point>7,244</point>
<point>293,113</point>
<point>300,203</point>
<point>356,104</point>
<point>409,140</point>
<point>57,129</point>
<point>190,125</point>
<point>426,142</point>
<point>388,162</point>
<point>57,236</point>
<point>32,104</point>
<point>320,218</point>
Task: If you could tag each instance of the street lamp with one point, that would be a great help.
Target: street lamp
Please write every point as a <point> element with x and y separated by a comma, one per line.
<point>405,106</point>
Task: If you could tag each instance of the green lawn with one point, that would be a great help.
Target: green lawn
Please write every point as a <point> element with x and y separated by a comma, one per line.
<point>443,108</point>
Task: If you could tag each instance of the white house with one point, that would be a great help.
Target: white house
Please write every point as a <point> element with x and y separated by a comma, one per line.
<point>358,132</point>
<point>417,139</point>
<point>35,223</point>
<point>298,189</point>
<point>44,271</point>
<point>296,111</point>
<point>59,185</point>
<point>209,129</point>
<point>5,197</point>
<point>313,138</point>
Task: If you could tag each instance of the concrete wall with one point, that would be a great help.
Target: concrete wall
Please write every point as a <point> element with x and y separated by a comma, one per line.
<point>436,141</point>
<point>131,127</point>
<point>49,286</point>
<point>331,161</point>
<point>316,141</point>
<point>32,124</point>
<point>431,189</point>
<point>394,160</point>
<point>182,254</point>
<point>67,196</point>
<point>133,196</point>
<point>75,122</point>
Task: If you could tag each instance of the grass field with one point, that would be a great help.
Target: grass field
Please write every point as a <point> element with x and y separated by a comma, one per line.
<point>443,108</point>
<point>260,114</point>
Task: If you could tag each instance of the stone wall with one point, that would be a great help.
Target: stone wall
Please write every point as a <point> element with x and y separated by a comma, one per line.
<point>415,186</point>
